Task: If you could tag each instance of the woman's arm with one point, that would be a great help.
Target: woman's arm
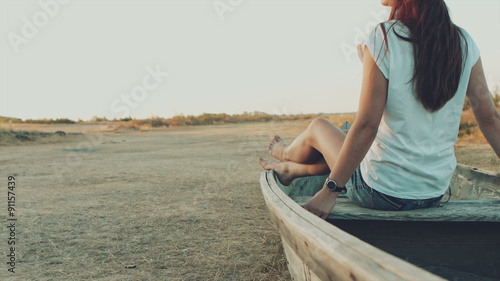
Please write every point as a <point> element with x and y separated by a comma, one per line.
<point>360,137</point>
<point>363,131</point>
<point>487,116</point>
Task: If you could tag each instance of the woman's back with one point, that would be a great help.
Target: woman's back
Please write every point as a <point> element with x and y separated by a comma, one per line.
<point>398,155</point>
<point>412,156</point>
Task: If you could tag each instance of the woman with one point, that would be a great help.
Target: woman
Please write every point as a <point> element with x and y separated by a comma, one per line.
<point>417,69</point>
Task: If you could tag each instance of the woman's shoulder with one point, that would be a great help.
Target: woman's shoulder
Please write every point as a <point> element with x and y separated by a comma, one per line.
<point>391,28</point>
<point>472,49</point>
<point>464,32</point>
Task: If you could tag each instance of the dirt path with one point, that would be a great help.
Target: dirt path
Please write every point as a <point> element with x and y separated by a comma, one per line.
<point>172,204</point>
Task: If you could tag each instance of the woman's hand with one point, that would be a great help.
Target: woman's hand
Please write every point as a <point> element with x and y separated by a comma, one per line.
<point>322,203</point>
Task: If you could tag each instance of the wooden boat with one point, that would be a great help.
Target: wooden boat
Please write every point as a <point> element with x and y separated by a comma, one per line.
<point>459,241</point>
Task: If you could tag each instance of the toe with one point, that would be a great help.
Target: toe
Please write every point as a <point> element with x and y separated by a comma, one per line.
<point>262,162</point>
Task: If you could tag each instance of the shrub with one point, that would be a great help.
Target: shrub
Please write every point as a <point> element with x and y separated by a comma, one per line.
<point>50,121</point>
<point>156,122</point>
<point>98,119</point>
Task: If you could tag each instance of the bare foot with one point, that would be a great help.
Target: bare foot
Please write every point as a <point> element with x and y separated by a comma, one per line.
<point>277,148</point>
<point>280,168</point>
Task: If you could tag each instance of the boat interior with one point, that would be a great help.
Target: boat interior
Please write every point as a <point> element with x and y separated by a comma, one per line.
<point>459,240</point>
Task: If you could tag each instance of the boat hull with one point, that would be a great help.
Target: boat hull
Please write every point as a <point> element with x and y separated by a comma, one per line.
<point>363,244</point>
<point>318,250</point>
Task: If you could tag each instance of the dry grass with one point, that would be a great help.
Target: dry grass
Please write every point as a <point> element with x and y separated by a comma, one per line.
<point>472,148</point>
<point>165,204</point>
<point>10,137</point>
<point>177,204</point>
<point>478,155</point>
<point>469,132</point>
<point>130,125</point>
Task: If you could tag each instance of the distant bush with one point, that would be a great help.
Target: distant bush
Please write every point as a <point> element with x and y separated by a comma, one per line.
<point>126,119</point>
<point>157,122</point>
<point>222,118</point>
<point>98,119</point>
<point>49,121</point>
<point>469,131</point>
<point>10,120</point>
<point>64,121</point>
<point>204,119</point>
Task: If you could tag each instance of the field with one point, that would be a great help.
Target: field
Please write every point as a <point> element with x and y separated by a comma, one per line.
<point>181,203</point>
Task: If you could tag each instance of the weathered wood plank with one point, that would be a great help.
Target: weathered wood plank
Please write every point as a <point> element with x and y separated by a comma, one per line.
<point>457,210</point>
<point>296,266</point>
<point>470,183</point>
<point>326,251</point>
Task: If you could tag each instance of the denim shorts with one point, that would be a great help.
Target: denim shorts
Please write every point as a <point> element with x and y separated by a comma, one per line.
<point>367,197</point>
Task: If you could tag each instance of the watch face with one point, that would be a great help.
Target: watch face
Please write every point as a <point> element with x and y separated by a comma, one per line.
<point>331,185</point>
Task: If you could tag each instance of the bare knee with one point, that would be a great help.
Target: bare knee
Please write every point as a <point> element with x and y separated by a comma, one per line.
<point>321,128</point>
<point>319,122</point>
<point>315,128</point>
<point>326,138</point>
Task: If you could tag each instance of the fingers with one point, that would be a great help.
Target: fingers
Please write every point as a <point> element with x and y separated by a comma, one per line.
<point>316,212</point>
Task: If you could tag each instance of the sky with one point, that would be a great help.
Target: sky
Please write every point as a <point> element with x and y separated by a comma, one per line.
<point>116,58</point>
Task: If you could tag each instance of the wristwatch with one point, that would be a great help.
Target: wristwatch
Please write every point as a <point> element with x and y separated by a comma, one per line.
<point>333,187</point>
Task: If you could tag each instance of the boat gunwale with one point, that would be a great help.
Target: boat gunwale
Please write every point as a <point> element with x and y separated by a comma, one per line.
<point>359,260</point>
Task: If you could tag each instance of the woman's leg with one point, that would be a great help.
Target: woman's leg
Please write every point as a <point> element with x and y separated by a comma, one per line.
<point>288,171</point>
<point>321,139</point>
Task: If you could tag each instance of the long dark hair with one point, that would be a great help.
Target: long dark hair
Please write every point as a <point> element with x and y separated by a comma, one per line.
<point>437,49</point>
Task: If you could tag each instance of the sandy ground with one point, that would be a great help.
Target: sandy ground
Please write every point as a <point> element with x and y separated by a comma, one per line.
<point>168,204</point>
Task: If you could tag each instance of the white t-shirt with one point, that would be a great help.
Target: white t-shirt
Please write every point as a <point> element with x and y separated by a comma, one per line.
<point>412,156</point>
